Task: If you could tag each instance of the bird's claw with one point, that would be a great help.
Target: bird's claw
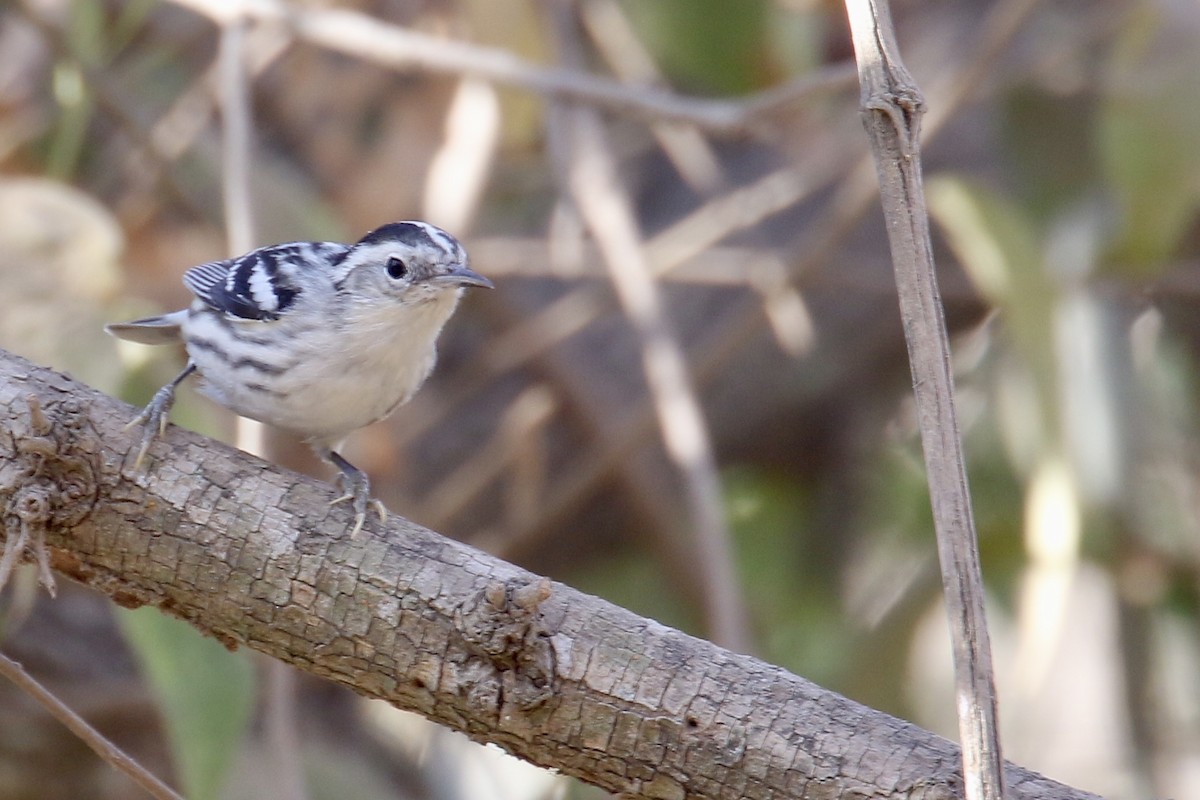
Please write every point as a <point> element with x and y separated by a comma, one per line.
<point>358,494</point>
<point>360,510</point>
<point>153,419</point>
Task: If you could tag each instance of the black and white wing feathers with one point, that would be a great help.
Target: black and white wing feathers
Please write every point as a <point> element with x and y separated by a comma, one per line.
<point>264,283</point>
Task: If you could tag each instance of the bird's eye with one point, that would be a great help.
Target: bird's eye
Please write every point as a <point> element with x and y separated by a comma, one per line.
<point>396,268</point>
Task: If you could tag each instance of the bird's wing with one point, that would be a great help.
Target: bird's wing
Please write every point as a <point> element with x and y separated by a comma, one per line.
<point>262,284</point>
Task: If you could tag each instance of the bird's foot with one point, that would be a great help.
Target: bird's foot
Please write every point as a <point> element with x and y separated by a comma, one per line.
<point>357,492</point>
<point>153,419</point>
<point>360,504</point>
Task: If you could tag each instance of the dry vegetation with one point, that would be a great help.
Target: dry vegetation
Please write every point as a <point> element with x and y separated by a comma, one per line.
<point>1062,169</point>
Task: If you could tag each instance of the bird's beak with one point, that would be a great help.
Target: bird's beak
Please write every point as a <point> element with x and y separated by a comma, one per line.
<point>463,276</point>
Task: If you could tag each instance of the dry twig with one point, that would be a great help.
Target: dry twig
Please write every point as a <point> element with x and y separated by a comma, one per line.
<point>364,37</point>
<point>892,108</point>
<point>595,189</point>
<point>86,733</point>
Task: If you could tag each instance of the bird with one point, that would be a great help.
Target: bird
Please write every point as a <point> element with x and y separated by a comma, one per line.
<point>316,338</point>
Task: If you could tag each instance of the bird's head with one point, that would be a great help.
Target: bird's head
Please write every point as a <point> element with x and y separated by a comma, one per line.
<point>410,262</point>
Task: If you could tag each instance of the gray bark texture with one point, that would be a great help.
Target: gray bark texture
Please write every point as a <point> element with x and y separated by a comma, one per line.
<point>253,555</point>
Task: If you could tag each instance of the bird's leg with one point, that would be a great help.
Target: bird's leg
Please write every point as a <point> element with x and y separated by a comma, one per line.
<point>153,417</point>
<point>357,487</point>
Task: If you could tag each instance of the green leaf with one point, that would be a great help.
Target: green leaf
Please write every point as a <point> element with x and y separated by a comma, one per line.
<point>998,246</point>
<point>1149,138</point>
<point>205,692</point>
<point>790,577</point>
<point>1043,130</point>
<point>633,579</point>
<point>716,46</point>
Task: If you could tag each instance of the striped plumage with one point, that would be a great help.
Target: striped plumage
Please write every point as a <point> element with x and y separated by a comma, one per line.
<point>317,338</point>
<point>263,283</point>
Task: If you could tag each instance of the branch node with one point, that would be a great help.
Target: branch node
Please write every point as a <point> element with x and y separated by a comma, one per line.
<point>48,479</point>
<point>904,106</point>
<point>506,626</point>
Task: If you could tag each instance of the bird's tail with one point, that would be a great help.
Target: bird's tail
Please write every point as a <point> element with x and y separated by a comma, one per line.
<point>151,330</point>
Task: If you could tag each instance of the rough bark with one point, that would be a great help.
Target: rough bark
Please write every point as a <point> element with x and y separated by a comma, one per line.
<point>253,555</point>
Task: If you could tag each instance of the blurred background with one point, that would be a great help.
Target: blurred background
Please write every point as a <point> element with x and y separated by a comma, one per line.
<point>789,518</point>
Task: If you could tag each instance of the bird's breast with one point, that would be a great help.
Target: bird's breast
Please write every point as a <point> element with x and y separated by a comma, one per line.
<point>323,381</point>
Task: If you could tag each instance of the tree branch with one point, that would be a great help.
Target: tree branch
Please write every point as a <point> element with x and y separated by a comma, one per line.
<point>254,555</point>
<point>365,37</point>
<point>892,108</point>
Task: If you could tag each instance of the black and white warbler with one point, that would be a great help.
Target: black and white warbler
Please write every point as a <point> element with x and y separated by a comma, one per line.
<point>316,338</point>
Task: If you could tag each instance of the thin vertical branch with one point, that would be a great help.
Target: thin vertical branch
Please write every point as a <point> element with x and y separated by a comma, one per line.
<point>279,699</point>
<point>238,131</point>
<point>892,109</point>
<point>281,728</point>
<point>595,188</point>
<point>459,171</point>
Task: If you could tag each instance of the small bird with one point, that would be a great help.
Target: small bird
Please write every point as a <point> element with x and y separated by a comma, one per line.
<point>316,338</point>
